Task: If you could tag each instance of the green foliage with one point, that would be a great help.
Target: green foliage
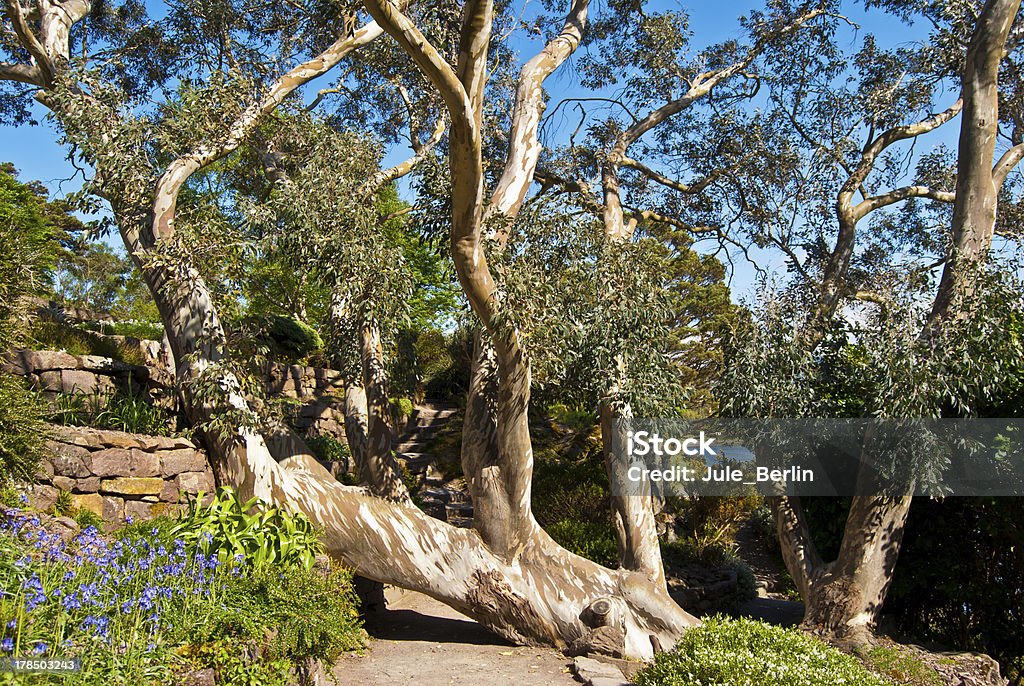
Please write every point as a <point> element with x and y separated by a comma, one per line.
<point>329,449</point>
<point>230,529</point>
<point>287,338</point>
<point>93,276</point>
<point>902,666</point>
<point>86,518</point>
<point>576,419</point>
<point>743,652</point>
<point>134,414</point>
<point>959,580</point>
<point>115,410</point>
<point>709,523</point>
<point>51,335</point>
<point>401,408</point>
<point>595,541</point>
<point>313,612</point>
<point>22,430</point>
<point>63,505</point>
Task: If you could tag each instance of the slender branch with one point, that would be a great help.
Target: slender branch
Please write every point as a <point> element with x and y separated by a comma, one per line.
<point>1006,163</point>
<point>29,41</point>
<point>524,147</point>
<point>671,183</point>
<point>179,171</point>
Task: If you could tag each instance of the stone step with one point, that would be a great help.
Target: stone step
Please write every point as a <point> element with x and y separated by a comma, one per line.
<point>412,446</point>
<point>458,510</point>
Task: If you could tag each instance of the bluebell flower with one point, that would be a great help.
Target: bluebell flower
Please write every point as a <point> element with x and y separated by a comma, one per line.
<point>129,519</point>
<point>40,648</point>
<point>12,624</point>
<point>7,645</point>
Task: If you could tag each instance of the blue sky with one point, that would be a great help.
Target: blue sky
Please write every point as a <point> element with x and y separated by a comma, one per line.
<point>36,154</point>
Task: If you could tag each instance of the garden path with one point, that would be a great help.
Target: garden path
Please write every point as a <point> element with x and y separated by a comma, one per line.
<point>421,641</point>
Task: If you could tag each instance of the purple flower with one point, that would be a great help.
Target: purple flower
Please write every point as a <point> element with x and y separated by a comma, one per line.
<point>40,648</point>
<point>129,519</point>
<point>7,645</point>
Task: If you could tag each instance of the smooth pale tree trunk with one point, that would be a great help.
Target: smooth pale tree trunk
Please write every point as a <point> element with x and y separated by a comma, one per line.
<point>632,504</point>
<point>843,598</point>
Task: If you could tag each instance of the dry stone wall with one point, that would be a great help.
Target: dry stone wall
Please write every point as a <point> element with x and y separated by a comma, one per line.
<point>119,475</point>
<point>54,371</point>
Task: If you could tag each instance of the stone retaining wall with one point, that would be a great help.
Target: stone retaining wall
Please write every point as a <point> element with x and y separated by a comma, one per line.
<point>54,371</point>
<point>117,475</point>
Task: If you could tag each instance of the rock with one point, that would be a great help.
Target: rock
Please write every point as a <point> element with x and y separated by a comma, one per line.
<point>169,493</point>
<point>604,640</point>
<point>111,462</point>
<point>69,460</point>
<point>144,464</point>
<point>42,497</point>
<point>64,483</point>
<point>78,382</point>
<point>194,482</point>
<point>200,677</point>
<point>93,502</point>
<point>174,462</point>
<point>46,472</point>
<point>138,510</point>
<point>66,527</point>
<point>39,360</point>
<point>130,485</point>
<point>595,673</point>
<point>50,381</point>
<point>89,484</point>
<point>113,511</point>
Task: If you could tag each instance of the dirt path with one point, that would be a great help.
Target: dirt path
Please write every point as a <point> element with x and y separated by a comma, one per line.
<point>418,640</point>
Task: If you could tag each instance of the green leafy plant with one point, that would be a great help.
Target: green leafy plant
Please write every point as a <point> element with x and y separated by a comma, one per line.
<point>744,652</point>
<point>134,414</point>
<point>592,540</point>
<point>262,535</point>
<point>63,505</point>
<point>22,431</point>
<point>329,449</point>
<point>86,518</point>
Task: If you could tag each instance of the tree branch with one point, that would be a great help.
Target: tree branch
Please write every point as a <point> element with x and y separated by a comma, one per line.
<point>524,147</point>
<point>178,172</point>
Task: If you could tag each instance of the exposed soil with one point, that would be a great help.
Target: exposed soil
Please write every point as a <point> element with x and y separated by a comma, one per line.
<point>418,640</point>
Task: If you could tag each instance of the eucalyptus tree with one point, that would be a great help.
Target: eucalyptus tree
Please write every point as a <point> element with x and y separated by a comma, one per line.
<point>922,350</point>
<point>506,572</point>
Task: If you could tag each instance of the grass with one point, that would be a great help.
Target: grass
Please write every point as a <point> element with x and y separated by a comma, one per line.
<point>118,411</point>
<point>47,335</point>
<point>901,666</point>
<point>743,652</point>
<point>148,606</point>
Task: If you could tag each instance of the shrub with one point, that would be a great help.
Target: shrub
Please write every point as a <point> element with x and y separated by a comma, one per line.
<point>744,652</point>
<point>287,338</point>
<point>131,413</point>
<point>593,540</point>
<point>329,449</point>
<point>228,528</point>
<point>118,411</point>
<point>22,431</point>
<point>77,341</point>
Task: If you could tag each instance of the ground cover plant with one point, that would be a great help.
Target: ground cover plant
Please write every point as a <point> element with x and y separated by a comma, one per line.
<point>158,600</point>
<point>743,652</point>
